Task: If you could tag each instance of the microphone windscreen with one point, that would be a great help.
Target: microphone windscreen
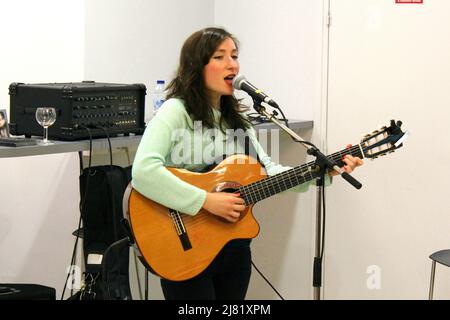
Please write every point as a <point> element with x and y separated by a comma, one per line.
<point>237,81</point>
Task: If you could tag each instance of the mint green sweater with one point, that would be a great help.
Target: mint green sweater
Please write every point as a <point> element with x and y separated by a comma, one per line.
<point>172,139</point>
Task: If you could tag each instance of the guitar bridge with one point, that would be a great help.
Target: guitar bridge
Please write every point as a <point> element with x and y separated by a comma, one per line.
<point>181,230</point>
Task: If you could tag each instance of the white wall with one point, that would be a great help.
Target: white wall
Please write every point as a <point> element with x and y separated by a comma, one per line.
<point>139,41</point>
<point>280,48</point>
<point>390,61</point>
<point>39,195</point>
<point>41,42</point>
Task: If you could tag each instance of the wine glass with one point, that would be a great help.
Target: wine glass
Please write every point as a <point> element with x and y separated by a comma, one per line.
<point>45,116</point>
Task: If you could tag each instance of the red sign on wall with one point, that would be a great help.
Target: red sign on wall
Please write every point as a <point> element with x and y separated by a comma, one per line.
<point>408,1</point>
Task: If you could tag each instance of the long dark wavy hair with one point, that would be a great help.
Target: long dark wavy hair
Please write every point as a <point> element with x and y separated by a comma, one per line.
<point>189,84</point>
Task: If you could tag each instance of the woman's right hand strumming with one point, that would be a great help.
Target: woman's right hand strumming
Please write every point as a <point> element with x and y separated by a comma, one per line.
<point>226,205</point>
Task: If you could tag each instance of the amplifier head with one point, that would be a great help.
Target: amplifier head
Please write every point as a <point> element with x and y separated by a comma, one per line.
<point>119,108</point>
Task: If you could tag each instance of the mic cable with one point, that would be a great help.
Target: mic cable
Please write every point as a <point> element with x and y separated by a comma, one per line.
<point>81,205</point>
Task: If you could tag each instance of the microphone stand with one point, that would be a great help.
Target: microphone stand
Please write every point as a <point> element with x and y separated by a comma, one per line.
<point>323,163</point>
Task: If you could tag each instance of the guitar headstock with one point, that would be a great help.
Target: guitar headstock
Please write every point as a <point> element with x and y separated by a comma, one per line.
<point>383,141</point>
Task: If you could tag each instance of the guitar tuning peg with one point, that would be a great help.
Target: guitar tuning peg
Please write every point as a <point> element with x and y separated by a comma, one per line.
<point>399,123</point>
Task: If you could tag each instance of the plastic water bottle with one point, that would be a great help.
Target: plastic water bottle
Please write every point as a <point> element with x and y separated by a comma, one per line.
<point>158,96</point>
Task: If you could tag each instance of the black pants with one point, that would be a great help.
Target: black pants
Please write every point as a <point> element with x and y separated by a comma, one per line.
<point>227,277</point>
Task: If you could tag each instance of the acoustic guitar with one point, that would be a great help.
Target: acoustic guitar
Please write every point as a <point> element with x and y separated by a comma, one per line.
<point>178,246</point>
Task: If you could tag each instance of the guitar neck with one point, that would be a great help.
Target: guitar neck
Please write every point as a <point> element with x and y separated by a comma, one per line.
<point>283,181</point>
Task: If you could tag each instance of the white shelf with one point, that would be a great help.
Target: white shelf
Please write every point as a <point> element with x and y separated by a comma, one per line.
<point>116,142</point>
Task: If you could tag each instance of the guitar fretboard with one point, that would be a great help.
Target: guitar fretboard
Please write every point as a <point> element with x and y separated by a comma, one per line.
<point>286,180</point>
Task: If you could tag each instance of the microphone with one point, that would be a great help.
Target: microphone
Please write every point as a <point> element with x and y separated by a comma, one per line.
<point>241,83</point>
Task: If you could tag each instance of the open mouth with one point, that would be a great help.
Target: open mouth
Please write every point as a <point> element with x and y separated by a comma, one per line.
<point>229,79</point>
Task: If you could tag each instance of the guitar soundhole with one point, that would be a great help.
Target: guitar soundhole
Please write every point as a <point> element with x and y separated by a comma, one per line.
<point>230,190</point>
<point>227,186</point>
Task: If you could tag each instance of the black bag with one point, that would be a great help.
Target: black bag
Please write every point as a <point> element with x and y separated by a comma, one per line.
<point>102,189</point>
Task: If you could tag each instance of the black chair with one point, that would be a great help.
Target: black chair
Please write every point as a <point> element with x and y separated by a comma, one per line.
<point>116,284</point>
<point>442,257</point>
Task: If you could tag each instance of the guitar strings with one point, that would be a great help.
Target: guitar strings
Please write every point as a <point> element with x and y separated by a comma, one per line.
<point>178,221</point>
<point>273,184</point>
<point>255,188</point>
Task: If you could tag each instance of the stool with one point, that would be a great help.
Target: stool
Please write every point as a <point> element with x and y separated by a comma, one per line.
<point>443,257</point>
